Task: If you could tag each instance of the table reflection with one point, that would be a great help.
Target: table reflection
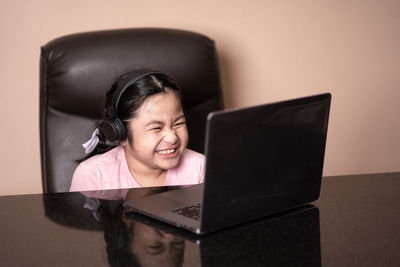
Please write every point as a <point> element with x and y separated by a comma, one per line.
<point>287,239</point>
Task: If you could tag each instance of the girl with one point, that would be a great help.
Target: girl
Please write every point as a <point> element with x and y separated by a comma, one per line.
<point>144,115</point>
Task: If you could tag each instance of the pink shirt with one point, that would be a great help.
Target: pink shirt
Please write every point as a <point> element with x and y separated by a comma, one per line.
<point>110,171</point>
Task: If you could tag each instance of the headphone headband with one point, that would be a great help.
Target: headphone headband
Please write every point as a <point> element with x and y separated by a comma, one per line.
<point>112,127</point>
<point>127,80</point>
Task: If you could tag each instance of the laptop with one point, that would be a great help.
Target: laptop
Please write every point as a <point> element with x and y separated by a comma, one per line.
<point>260,160</point>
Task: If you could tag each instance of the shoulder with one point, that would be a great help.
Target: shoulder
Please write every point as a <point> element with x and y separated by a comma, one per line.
<point>190,155</point>
<point>113,155</point>
<point>192,160</point>
<point>189,171</point>
<point>90,173</point>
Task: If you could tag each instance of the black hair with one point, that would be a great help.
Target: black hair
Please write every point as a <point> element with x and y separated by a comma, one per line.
<point>117,235</point>
<point>131,100</point>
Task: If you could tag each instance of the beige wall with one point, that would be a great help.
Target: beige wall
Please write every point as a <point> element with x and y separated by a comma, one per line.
<point>269,50</point>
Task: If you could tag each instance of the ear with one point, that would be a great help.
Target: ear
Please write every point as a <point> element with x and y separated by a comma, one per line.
<point>124,143</point>
<point>128,222</point>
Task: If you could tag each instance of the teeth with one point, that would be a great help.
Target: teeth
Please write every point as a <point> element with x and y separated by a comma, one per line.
<point>167,151</point>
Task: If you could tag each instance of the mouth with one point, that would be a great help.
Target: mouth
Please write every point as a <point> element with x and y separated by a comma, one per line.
<point>169,152</point>
<point>166,151</point>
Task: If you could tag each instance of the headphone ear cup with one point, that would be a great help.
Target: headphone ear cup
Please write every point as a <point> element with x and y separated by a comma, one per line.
<point>114,130</point>
<point>121,130</point>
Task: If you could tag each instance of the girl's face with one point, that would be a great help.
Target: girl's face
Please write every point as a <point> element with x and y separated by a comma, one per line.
<point>155,248</point>
<point>158,133</point>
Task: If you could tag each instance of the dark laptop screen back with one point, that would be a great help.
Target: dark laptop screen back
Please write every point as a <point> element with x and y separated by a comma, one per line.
<point>263,159</point>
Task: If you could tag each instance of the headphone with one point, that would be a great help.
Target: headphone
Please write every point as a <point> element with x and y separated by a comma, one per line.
<point>113,128</point>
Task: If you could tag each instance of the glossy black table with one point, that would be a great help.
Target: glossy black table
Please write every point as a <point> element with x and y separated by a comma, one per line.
<point>356,222</point>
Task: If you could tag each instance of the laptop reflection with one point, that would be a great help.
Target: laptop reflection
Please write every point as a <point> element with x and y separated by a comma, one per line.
<point>287,239</point>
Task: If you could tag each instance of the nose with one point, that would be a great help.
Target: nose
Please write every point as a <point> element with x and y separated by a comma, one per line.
<point>171,136</point>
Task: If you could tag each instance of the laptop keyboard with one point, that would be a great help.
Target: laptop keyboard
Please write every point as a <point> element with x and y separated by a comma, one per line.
<point>192,211</point>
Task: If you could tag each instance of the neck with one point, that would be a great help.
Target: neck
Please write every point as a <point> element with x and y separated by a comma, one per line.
<point>145,175</point>
<point>145,179</point>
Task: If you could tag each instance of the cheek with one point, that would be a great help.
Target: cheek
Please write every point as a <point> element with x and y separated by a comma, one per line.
<point>150,142</point>
<point>183,135</point>
<point>144,141</point>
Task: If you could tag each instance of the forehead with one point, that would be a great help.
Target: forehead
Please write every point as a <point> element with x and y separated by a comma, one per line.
<point>163,104</point>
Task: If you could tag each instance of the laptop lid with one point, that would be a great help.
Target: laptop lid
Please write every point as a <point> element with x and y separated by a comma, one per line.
<point>263,159</point>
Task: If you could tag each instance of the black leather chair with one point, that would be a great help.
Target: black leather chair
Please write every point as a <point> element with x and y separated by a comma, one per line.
<point>77,70</point>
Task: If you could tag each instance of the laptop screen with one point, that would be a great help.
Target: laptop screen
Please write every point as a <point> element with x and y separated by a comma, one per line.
<point>264,159</point>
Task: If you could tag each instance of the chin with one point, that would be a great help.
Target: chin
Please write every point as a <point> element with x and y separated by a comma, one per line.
<point>169,165</point>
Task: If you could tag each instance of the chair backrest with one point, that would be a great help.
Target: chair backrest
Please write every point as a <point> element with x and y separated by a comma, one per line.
<point>77,70</point>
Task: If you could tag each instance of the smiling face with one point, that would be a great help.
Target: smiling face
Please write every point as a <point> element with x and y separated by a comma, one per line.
<point>156,248</point>
<point>158,134</point>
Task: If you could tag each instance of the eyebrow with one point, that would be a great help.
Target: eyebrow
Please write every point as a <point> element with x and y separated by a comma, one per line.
<point>161,123</point>
<point>180,117</point>
<point>154,122</point>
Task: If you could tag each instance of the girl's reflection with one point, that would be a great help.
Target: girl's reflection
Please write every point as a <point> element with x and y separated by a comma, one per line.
<point>154,247</point>
<point>132,243</point>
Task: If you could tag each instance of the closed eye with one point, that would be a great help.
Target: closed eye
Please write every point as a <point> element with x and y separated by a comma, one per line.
<point>179,123</point>
<point>155,249</point>
<point>156,129</point>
